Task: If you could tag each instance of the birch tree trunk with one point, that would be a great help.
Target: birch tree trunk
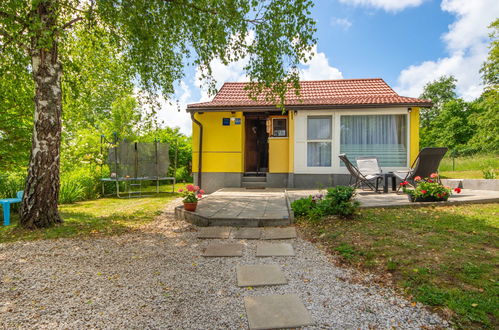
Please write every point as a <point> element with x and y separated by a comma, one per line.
<point>39,205</point>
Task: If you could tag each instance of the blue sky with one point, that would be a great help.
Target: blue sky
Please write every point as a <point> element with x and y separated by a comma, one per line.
<point>406,42</point>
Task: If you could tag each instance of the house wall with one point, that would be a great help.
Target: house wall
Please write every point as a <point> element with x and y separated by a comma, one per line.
<point>414,134</point>
<point>222,145</point>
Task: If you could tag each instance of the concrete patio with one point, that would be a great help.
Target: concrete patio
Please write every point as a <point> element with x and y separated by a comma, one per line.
<point>241,207</point>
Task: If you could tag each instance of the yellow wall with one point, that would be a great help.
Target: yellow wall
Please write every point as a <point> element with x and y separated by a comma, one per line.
<point>222,145</point>
<point>414,134</point>
<point>291,146</point>
<point>278,155</point>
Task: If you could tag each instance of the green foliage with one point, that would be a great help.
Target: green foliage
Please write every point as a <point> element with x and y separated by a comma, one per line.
<point>11,183</point>
<point>490,69</point>
<point>338,201</point>
<point>489,173</point>
<point>301,207</point>
<point>439,92</point>
<point>427,187</point>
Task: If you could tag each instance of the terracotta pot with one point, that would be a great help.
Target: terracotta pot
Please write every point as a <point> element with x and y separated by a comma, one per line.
<point>190,206</point>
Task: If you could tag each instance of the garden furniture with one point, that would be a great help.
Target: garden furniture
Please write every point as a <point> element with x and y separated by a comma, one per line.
<point>426,163</point>
<point>6,206</point>
<point>359,178</point>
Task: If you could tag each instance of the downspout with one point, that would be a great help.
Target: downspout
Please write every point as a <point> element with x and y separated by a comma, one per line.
<point>200,159</point>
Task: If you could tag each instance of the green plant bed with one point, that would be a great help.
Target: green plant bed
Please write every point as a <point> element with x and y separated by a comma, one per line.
<point>444,256</point>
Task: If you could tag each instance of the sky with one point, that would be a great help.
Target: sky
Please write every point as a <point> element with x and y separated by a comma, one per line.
<point>408,43</point>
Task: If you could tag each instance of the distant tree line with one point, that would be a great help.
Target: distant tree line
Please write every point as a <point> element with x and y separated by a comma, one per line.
<point>464,127</point>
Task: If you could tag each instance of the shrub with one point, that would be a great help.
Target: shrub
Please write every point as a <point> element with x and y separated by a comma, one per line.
<point>80,184</point>
<point>338,201</point>
<point>489,173</point>
<point>11,183</point>
<point>183,175</point>
<point>70,192</point>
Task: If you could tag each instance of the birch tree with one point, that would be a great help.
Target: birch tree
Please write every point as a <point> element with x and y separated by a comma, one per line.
<point>157,38</point>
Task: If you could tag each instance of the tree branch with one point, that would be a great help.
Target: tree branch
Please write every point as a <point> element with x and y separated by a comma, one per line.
<point>14,17</point>
<point>71,22</point>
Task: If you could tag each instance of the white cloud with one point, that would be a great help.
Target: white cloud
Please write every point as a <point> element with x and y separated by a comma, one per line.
<point>318,68</point>
<point>344,23</point>
<point>387,5</point>
<point>170,115</point>
<point>467,46</point>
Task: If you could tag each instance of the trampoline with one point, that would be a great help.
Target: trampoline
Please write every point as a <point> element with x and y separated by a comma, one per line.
<point>131,164</point>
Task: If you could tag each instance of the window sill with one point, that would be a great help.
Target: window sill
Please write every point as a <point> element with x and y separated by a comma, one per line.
<point>278,137</point>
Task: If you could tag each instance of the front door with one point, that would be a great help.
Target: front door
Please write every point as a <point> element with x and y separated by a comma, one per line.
<point>256,153</point>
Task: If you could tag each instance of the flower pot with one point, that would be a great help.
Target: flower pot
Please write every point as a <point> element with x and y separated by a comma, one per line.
<point>426,199</point>
<point>190,206</point>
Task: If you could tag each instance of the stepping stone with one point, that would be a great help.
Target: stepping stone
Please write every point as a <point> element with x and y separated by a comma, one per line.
<point>276,312</point>
<point>258,275</point>
<point>223,250</point>
<point>214,232</point>
<point>247,233</point>
<point>279,233</point>
<point>264,249</point>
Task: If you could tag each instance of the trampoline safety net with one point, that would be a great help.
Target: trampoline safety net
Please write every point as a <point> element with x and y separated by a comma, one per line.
<point>139,160</point>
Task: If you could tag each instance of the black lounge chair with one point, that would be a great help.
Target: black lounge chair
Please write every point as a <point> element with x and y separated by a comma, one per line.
<point>359,178</point>
<point>426,163</point>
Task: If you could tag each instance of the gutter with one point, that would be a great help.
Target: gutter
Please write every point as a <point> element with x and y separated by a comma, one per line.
<point>200,159</point>
<point>194,109</point>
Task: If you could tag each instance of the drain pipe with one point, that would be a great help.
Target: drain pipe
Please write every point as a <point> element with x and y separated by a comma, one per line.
<point>200,159</point>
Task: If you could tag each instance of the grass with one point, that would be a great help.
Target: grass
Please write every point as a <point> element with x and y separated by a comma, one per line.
<point>468,167</point>
<point>445,257</point>
<point>105,216</point>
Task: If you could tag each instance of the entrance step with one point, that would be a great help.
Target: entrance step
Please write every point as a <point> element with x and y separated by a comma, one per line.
<point>254,179</point>
<point>254,185</point>
<point>246,174</point>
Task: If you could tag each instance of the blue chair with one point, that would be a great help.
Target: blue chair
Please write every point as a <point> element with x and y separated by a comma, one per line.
<point>6,206</point>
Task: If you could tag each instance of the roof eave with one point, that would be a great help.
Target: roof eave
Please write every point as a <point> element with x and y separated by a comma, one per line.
<point>261,108</point>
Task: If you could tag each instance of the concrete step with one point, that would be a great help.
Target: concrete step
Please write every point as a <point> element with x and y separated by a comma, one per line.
<point>254,185</point>
<point>254,179</point>
<point>254,174</point>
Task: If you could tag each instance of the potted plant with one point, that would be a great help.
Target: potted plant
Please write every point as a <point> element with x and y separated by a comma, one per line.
<point>191,195</point>
<point>428,190</point>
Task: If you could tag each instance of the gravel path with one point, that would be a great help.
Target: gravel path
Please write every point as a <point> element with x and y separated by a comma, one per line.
<point>157,279</point>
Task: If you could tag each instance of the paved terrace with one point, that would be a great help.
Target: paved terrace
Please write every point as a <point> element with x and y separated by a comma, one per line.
<point>271,207</point>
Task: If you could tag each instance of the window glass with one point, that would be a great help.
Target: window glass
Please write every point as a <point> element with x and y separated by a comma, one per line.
<point>279,127</point>
<point>383,136</point>
<point>319,128</point>
<point>319,141</point>
<point>318,154</point>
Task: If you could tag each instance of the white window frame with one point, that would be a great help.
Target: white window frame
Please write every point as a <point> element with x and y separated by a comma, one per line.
<point>300,137</point>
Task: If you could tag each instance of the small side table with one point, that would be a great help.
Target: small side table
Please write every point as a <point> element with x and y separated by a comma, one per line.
<point>386,176</point>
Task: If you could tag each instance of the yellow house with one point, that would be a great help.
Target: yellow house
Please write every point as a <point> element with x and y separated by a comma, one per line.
<point>240,142</point>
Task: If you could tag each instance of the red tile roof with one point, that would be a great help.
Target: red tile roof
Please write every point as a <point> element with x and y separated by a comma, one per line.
<point>321,93</point>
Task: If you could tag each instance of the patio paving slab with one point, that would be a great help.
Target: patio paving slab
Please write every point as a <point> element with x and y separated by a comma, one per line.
<point>259,275</point>
<point>224,250</point>
<point>264,249</point>
<point>247,233</point>
<point>276,312</point>
<point>214,232</point>
<point>279,233</point>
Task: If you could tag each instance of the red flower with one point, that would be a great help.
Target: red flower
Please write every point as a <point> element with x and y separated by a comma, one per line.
<point>199,195</point>
<point>201,191</point>
<point>458,190</point>
<point>434,175</point>
<point>196,188</point>
<point>430,181</point>
<point>190,187</point>
<point>180,190</point>
<point>423,192</point>
<point>418,178</point>
<point>405,183</point>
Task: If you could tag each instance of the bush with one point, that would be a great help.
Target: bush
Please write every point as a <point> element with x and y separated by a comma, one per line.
<point>11,183</point>
<point>80,184</point>
<point>183,175</point>
<point>338,201</point>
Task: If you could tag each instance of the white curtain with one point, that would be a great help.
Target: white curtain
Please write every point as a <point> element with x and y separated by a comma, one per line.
<point>383,136</point>
<point>319,145</point>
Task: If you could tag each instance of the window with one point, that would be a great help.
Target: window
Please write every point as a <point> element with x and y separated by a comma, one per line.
<point>279,127</point>
<point>319,144</point>
<point>383,136</point>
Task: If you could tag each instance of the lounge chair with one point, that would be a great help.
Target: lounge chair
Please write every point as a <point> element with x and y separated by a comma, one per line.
<point>359,177</point>
<point>426,163</point>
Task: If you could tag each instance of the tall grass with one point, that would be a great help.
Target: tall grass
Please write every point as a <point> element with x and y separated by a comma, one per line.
<point>470,163</point>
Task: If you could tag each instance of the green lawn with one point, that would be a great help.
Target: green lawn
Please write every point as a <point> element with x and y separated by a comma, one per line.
<point>446,257</point>
<point>468,167</point>
<point>105,216</point>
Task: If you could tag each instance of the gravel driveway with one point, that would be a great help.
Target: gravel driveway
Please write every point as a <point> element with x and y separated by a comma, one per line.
<point>156,278</point>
